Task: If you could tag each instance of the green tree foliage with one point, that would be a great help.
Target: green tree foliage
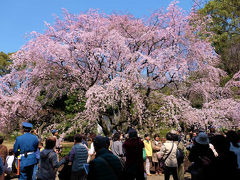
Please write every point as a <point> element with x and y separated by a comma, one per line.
<point>4,63</point>
<point>225,24</point>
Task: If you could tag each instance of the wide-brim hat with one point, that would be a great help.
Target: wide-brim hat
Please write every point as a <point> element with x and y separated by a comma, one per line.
<point>202,138</point>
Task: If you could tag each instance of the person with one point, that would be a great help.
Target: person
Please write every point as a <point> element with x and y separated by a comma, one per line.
<point>49,161</point>
<point>156,146</point>
<point>1,169</point>
<point>34,132</point>
<point>234,144</point>
<point>58,147</point>
<point>9,162</point>
<point>3,150</point>
<point>180,145</point>
<point>212,132</point>
<point>133,148</point>
<point>105,166</point>
<point>91,151</point>
<point>78,156</point>
<point>199,154</point>
<point>40,146</point>
<point>117,148</point>
<point>193,135</point>
<point>168,153</point>
<point>24,148</point>
<point>225,165</point>
<point>84,140</point>
<point>148,148</point>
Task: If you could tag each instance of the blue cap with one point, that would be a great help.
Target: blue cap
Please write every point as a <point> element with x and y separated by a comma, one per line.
<point>54,131</point>
<point>27,125</point>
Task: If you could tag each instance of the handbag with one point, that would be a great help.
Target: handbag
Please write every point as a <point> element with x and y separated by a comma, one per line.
<point>162,160</point>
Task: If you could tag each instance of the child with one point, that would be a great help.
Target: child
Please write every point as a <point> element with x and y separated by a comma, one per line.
<point>40,146</point>
<point>8,168</point>
<point>48,161</point>
<point>9,162</point>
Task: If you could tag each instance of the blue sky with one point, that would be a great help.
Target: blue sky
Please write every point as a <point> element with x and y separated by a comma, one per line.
<point>18,17</point>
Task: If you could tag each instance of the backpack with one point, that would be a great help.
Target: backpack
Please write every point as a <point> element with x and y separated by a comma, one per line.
<point>179,155</point>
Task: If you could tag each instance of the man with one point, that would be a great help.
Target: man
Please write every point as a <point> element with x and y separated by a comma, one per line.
<point>58,147</point>
<point>79,156</point>
<point>105,166</point>
<point>24,148</point>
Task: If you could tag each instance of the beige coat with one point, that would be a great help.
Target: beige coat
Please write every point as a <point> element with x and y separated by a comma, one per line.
<point>171,161</point>
<point>156,146</point>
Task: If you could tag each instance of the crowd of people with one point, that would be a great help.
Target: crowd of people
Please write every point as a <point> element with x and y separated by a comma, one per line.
<point>205,155</point>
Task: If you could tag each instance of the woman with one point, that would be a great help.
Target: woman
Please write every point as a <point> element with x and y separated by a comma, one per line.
<point>117,149</point>
<point>91,151</point>
<point>148,149</point>
<point>133,148</point>
<point>48,161</point>
<point>156,146</point>
<point>200,155</point>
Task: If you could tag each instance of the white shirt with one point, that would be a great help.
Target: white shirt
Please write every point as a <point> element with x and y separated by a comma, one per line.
<point>8,164</point>
<point>91,150</point>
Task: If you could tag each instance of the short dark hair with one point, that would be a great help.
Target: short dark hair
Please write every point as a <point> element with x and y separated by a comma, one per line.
<point>10,152</point>
<point>116,136</point>
<point>1,139</point>
<point>156,135</point>
<point>146,135</point>
<point>78,138</point>
<point>50,143</point>
<point>175,137</point>
<point>169,136</point>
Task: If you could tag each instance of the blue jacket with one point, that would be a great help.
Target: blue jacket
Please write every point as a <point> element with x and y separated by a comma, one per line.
<point>78,156</point>
<point>27,143</point>
<point>48,164</point>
